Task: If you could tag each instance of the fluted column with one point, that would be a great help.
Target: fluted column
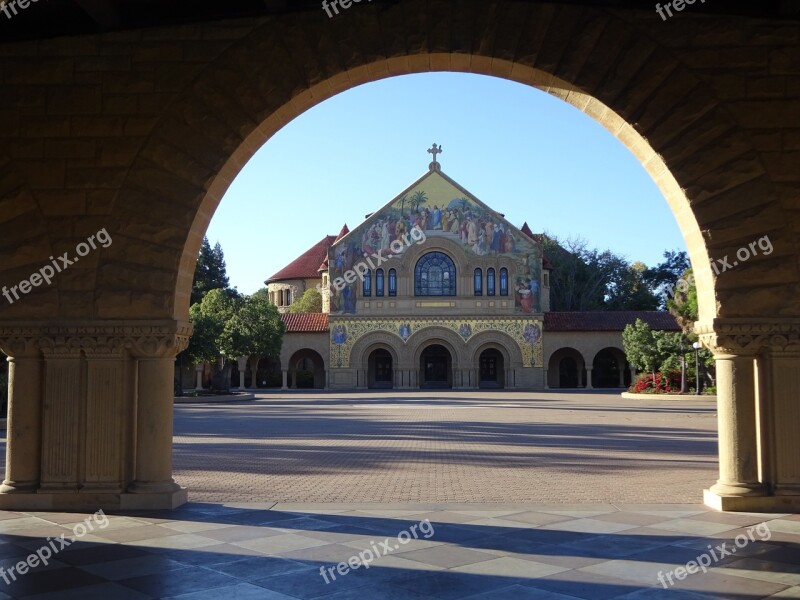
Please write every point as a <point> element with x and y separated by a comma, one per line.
<point>24,428</point>
<point>198,369</point>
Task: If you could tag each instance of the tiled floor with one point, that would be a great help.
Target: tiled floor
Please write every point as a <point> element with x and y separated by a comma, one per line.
<point>477,551</point>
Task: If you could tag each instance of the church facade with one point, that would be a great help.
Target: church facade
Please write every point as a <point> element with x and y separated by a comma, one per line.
<point>438,290</point>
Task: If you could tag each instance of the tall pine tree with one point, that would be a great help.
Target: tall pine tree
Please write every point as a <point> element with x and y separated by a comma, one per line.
<point>210,273</point>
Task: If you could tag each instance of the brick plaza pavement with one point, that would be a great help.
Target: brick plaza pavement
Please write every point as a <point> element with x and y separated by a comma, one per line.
<point>445,447</point>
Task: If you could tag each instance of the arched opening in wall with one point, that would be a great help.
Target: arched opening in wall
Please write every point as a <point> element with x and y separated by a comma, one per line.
<point>491,369</point>
<point>381,369</point>
<point>610,369</point>
<point>436,368</point>
<point>306,370</point>
<point>438,290</point>
<point>566,369</point>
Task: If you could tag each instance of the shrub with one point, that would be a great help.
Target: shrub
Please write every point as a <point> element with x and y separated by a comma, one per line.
<point>664,383</point>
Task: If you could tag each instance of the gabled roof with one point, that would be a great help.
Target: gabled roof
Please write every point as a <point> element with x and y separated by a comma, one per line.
<point>430,174</point>
<point>307,265</point>
<point>305,322</point>
<point>607,321</point>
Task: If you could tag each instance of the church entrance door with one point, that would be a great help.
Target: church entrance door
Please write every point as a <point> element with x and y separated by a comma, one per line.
<point>380,370</point>
<point>436,368</point>
<point>492,370</point>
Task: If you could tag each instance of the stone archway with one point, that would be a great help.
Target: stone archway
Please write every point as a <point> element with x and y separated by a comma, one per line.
<point>306,370</point>
<point>609,369</point>
<point>566,369</point>
<point>147,153</point>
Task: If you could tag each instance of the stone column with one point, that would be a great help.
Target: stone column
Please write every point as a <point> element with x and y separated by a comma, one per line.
<point>621,375</point>
<point>62,419</point>
<point>154,412</point>
<point>24,428</point>
<point>242,364</point>
<point>589,385</point>
<point>738,442</point>
<point>254,360</point>
<point>780,417</point>
<point>199,371</point>
<point>285,375</point>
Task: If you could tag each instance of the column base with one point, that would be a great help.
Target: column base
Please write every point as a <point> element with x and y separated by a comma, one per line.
<point>755,504</point>
<point>91,502</point>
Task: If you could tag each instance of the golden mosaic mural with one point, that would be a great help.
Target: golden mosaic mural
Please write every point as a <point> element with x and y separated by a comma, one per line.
<point>346,332</point>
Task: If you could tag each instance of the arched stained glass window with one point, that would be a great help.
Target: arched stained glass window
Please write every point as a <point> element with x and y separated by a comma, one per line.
<point>435,275</point>
<point>504,282</point>
<point>477,284</point>
<point>379,282</point>
<point>490,282</point>
<point>392,282</point>
<point>367,286</point>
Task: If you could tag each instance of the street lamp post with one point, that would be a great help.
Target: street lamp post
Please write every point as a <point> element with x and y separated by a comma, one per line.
<point>697,346</point>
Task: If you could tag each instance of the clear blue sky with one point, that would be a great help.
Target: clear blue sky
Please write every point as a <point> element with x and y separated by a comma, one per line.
<point>521,151</point>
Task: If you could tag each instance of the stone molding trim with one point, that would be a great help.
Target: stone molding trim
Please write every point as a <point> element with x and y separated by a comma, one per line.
<point>750,337</point>
<point>143,339</point>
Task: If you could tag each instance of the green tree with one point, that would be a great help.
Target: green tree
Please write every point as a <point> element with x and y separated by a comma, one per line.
<point>585,279</point>
<point>210,272</point>
<point>309,302</point>
<point>228,326</point>
<point>642,348</point>
<point>259,327</point>
<point>663,278</point>
<point>683,306</point>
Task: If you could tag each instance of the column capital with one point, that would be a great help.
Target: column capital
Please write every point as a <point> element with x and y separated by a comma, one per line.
<point>143,339</point>
<point>750,337</point>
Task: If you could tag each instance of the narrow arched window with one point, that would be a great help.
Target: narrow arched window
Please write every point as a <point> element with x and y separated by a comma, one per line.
<point>490,283</point>
<point>478,282</point>
<point>504,282</point>
<point>367,285</point>
<point>435,275</point>
<point>379,282</point>
<point>392,282</point>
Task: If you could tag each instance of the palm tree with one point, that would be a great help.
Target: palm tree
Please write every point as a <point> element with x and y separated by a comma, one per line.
<point>419,198</point>
<point>403,204</point>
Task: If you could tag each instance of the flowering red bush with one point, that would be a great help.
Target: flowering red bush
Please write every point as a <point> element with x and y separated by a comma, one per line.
<point>664,382</point>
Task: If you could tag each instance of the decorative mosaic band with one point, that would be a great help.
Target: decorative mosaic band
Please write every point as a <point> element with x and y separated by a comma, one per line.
<point>527,333</point>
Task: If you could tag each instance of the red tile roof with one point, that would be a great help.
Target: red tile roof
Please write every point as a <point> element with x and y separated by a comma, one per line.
<point>307,265</point>
<point>305,322</point>
<point>607,321</point>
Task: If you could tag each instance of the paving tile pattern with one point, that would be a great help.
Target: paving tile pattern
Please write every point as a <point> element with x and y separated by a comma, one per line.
<point>447,447</point>
<point>207,551</point>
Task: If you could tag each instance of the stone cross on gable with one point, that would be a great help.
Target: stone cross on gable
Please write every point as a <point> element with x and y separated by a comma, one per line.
<point>434,166</point>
